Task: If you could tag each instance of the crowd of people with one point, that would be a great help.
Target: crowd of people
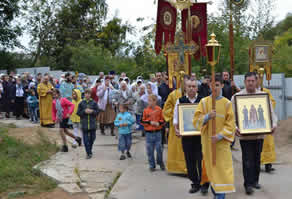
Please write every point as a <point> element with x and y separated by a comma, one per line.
<point>113,101</point>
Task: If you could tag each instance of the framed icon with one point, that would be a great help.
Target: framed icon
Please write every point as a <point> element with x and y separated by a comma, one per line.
<point>186,114</point>
<point>262,53</point>
<point>253,114</point>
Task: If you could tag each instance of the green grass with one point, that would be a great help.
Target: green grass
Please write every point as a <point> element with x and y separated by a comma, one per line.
<point>17,160</point>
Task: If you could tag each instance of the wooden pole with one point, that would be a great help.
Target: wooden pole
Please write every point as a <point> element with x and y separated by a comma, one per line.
<point>189,37</point>
<point>214,119</point>
<point>231,42</point>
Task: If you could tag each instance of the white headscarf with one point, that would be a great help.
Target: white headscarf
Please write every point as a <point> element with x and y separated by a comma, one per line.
<point>154,92</point>
<point>124,92</point>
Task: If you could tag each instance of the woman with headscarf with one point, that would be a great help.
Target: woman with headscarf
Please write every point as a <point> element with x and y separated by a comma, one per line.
<point>105,103</point>
<point>151,88</point>
<point>139,107</point>
<point>125,96</point>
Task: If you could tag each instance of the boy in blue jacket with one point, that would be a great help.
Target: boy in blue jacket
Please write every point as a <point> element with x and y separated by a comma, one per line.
<point>33,104</point>
<point>124,121</point>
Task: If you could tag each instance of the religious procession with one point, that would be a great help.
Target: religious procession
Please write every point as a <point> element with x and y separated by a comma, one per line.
<point>213,129</point>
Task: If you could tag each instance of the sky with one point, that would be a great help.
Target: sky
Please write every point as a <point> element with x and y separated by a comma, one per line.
<point>130,10</point>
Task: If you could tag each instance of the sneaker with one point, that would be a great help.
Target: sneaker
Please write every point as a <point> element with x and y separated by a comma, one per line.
<point>64,148</point>
<point>257,186</point>
<point>123,157</point>
<point>152,169</point>
<point>269,168</point>
<point>249,190</point>
<point>194,188</point>
<point>204,189</point>
<point>88,157</point>
<point>78,140</point>
<point>162,167</point>
<point>129,154</point>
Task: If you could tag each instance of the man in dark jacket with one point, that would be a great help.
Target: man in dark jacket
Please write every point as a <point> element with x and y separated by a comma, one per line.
<point>7,96</point>
<point>88,111</point>
<point>163,92</point>
<point>229,88</point>
<point>204,89</point>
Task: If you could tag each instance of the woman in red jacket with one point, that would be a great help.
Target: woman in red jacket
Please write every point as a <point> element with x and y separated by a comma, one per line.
<point>62,110</point>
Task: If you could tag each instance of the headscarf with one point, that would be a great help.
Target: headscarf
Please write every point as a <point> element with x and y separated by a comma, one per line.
<point>124,92</point>
<point>154,92</point>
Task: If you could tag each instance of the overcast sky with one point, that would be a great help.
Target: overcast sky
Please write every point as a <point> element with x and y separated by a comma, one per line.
<point>130,10</point>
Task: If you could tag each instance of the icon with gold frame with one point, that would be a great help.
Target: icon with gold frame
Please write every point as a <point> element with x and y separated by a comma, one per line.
<point>186,114</point>
<point>253,114</point>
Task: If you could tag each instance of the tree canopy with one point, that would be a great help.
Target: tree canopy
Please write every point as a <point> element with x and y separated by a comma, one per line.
<point>78,35</point>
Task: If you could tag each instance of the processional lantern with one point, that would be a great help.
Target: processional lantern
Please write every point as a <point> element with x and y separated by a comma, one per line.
<point>213,54</point>
<point>213,51</point>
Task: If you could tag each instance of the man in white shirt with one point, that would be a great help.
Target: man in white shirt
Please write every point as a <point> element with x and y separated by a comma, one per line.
<point>191,144</point>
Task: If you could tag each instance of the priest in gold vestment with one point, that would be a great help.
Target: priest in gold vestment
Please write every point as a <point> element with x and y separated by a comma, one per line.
<point>44,90</point>
<point>220,175</point>
<point>175,157</point>
<point>268,155</point>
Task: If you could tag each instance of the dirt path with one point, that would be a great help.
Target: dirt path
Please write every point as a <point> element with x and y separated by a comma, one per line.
<point>56,194</point>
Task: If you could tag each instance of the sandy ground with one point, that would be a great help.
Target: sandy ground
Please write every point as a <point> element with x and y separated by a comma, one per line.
<point>31,135</point>
<point>283,141</point>
<point>57,194</point>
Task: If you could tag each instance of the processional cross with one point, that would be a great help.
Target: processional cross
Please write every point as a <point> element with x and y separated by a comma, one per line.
<point>180,49</point>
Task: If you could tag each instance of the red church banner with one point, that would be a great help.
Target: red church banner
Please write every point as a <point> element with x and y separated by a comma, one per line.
<point>198,26</point>
<point>165,24</point>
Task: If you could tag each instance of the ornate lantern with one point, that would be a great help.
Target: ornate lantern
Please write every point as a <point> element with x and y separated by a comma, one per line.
<point>213,51</point>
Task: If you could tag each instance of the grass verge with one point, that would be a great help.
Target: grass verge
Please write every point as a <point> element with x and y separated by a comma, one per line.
<point>17,160</point>
<point>107,194</point>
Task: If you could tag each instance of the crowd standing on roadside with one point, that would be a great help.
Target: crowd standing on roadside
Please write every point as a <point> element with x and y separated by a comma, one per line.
<point>74,103</point>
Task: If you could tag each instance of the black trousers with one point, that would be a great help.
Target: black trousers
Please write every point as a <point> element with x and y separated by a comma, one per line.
<point>193,155</point>
<point>19,106</point>
<point>251,160</point>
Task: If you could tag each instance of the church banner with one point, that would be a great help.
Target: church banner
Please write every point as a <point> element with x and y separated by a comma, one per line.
<point>199,32</point>
<point>165,24</point>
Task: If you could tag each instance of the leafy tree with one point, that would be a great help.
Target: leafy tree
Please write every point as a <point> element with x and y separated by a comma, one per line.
<point>40,15</point>
<point>113,35</point>
<point>280,28</point>
<point>282,59</point>
<point>9,10</point>
<point>89,58</point>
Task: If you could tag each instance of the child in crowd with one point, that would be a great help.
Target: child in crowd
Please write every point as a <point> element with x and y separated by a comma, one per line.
<point>62,110</point>
<point>32,102</point>
<point>88,111</point>
<point>153,121</point>
<point>124,121</point>
<point>76,99</point>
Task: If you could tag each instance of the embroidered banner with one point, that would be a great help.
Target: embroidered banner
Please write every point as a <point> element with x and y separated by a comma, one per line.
<point>165,24</point>
<point>198,26</point>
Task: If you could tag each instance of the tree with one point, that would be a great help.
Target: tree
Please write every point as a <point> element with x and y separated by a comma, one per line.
<point>89,58</point>
<point>113,35</point>
<point>40,15</point>
<point>280,28</point>
<point>9,10</point>
<point>282,60</point>
<point>55,26</point>
<point>262,19</point>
